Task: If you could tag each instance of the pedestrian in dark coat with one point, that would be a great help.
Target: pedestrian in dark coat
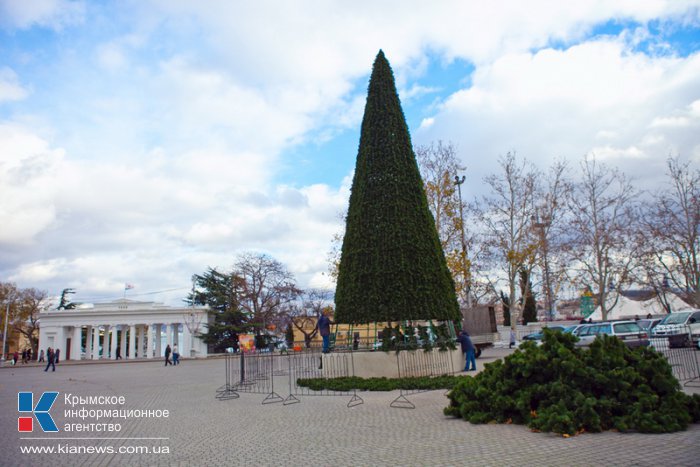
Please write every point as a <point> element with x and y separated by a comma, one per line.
<point>468,349</point>
<point>56,354</point>
<point>168,351</point>
<point>50,359</point>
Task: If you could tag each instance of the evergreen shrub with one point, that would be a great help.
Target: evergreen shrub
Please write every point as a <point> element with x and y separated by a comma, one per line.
<point>560,388</point>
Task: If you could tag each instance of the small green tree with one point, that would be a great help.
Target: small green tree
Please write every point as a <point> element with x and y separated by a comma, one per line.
<point>392,265</point>
<point>289,335</point>
<point>221,292</point>
<point>530,305</point>
<point>505,301</point>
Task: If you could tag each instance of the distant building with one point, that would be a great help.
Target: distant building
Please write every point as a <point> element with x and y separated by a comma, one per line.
<point>139,329</point>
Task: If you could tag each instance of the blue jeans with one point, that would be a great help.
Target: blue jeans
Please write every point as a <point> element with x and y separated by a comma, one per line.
<point>470,358</point>
<point>326,343</point>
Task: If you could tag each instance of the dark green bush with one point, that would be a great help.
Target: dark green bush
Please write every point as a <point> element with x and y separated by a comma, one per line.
<point>380,384</point>
<point>560,388</point>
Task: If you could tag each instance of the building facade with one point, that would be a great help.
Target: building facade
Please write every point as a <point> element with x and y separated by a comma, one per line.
<point>124,328</point>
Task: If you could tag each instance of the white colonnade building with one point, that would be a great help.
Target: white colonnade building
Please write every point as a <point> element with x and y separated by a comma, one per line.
<point>132,329</point>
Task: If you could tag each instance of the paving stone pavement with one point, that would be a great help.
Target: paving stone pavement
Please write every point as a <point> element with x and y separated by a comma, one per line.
<point>320,430</point>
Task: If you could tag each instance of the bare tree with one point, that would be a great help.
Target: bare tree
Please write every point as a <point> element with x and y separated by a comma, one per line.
<point>602,223</point>
<point>439,166</point>
<point>304,315</point>
<point>669,237</point>
<point>506,215</point>
<point>549,223</point>
<point>26,320</point>
<point>269,290</point>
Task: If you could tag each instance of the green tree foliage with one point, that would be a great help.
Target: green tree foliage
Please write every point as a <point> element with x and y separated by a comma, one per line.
<point>530,306</point>
<point>289,335</point>
<point>564,389</point>
<point>221,292</point>
<point>392,265</point>
<point>506,308</point>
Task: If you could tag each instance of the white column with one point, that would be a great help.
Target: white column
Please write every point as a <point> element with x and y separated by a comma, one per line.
<point>159,352</point>
<point>150,343</point>
<point>88,342</point>
<point>113,346</point>
<point>75,343</point>
<point>169,335</point>
<point>140,346</point>
<point>122,341</point>
<point>105,341</point>
<point>132,341</point>
<point>186,343</point>
<point>96,342</point>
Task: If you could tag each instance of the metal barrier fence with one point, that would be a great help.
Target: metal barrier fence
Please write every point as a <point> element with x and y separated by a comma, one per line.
<point>267,372</point>
<point>682,355</point>
<point>420,363</point>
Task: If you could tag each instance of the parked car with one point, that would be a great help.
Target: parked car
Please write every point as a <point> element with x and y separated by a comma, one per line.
<point>683,324</point>
<point>537,336</point>
<point>648,324</point>
<point>575,329</point>
<point>628,331</point>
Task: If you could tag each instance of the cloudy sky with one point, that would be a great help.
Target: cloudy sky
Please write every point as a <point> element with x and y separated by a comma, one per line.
<point>143,141</point>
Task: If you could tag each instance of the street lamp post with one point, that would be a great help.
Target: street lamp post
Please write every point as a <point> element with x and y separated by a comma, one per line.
<point>541,223</point>
<point>467,279</point>
<point>4,333</point>
<point>193,320</point>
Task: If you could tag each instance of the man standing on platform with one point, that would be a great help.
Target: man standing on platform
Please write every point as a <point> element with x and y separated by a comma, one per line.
<point>324,328</point>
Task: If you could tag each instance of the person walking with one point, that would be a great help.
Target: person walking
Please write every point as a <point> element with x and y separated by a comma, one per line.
<point>15,357</point>
<point>50,359</point>
<point>56,354</point>
<point>24,357</point>
<point>324,328</point>
<point>29,355</point>
<point>41,355</point>
<point>468,348</point>
<point>119,353</point>
<point>176,355</point>
<point>168,351</point>
<point>512,339</point>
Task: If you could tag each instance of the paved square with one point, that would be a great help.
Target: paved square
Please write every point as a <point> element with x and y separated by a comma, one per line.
<point>319,430</point>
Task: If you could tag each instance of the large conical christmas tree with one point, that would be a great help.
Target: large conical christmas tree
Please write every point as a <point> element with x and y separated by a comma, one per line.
<point>392,266</point>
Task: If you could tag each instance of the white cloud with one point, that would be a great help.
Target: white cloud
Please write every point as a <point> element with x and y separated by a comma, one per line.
<point>598,96</point>
<point>54,14</point>
<point>27,184</point>
<point>10,88</point>
<point>167,133</point>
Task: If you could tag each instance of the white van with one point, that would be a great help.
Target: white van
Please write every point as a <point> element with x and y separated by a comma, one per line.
<point>680,322</point>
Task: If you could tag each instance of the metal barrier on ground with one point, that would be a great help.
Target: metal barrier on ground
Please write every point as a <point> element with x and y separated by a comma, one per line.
<point>681,354</point>
<point>267,372</point>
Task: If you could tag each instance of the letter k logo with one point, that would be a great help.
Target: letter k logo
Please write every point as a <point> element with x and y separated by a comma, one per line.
<point>25,403</point>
